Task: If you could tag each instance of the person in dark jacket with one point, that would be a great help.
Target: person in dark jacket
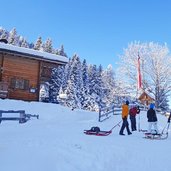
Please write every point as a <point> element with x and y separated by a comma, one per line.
<point>138,110</point>
<point>125,112</point>
<point>152,119</point>
<point>132,116</point>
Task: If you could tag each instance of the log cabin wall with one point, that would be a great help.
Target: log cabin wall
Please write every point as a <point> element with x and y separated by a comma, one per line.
<point>22,75</point>
<point>1,60</point>
<point>1,64</point>
<point>23,72</point>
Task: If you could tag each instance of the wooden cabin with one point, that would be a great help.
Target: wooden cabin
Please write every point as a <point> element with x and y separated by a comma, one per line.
<point>145,98</point>
<point>23,70</point>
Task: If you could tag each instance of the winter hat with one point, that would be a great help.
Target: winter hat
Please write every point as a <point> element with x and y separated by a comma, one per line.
<point>127,102</point>
<point>151,106</point>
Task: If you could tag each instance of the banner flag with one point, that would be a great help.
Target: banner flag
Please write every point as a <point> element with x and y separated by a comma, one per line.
<point>139,83</point>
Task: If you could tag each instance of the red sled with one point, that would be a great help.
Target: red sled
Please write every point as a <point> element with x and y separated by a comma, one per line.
<point>96,131</point>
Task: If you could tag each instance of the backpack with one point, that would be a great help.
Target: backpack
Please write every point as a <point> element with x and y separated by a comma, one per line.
<point>95,129</point>
<point>133,111</point>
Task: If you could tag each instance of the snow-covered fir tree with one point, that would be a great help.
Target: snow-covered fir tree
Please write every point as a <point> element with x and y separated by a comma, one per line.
<point>3,34</point>
<point>84,84</point>
<point>20,40</point>
<point>75,82</point>
<point>61,51</point>
<point>109,85</point>
<point>77,72</point>
<point>67,71</point>
<point>56,83</point>
<point>71,91</point>
<point>47,46</point>
<point>24,43</point>
<point>94,98</point>
<point>38,44</point>
<point>99,89</point>
<point>1,31</point>
<point>85,79</point>
<point>12,38</point>
<point>31,45</point>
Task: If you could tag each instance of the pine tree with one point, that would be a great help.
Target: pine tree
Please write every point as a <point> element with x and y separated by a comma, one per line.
<point>85,78</point>
<point>1,31</point>
<point>12,39</point>
<point>24,43</point>
<point>38,44</point>
<point>109,85</point>
<point>75,82</point>
<point>3,34</point>
<point>31,45</point>
<point>47,46</point>
<point>100,85</point>
<point>56,83</point>
<point>92,70</point>
<point>72,100</point>
<point>61,52</point>
<point>67,72</point>
<point>78,77</point>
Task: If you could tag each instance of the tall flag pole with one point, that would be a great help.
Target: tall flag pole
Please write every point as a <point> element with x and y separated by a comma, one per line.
<point>139,82</point>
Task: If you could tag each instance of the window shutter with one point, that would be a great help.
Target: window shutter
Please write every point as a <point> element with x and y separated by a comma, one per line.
<point>26,84</point>
<point>13,81</point>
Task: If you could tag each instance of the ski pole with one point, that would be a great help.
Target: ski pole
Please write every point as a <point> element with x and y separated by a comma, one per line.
<point>139,123</point>
<point>164,128</point>
<point>167,125</point>
<point>168,122</point>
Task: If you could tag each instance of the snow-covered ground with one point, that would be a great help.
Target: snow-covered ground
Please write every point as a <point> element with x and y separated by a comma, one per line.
<point>56,142</point>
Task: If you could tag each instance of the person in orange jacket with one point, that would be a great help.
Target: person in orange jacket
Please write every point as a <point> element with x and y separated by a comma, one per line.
<point>125,112</point>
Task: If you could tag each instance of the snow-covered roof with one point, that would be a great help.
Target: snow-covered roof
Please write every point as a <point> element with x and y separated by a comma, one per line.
<point>147,92</point>
<point>34,54</point>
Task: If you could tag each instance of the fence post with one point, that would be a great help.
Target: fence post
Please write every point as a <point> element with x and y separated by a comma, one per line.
<point>0,116</point>
<point>99,113</point>
<point>22,116</point>
<point>113,109</point>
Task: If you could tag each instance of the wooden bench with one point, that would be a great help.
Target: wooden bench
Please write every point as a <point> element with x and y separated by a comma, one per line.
<point>20,117</point>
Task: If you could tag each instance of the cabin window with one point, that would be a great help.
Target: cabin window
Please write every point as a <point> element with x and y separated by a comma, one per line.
<point>19,83</point>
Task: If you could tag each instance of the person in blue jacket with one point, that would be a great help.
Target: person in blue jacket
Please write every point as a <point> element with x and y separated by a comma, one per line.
<point>152,119</point>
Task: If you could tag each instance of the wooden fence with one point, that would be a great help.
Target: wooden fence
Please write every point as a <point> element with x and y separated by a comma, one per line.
<point>107,112</point>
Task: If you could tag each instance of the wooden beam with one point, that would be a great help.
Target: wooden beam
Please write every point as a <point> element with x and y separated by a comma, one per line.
<point>1,67</point>
<point>38,81</point>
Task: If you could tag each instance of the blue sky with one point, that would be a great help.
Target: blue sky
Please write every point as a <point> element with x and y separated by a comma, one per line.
<point>97,30</point>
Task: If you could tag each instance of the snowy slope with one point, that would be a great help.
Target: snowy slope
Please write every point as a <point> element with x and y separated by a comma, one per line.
<point>56,142</point>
